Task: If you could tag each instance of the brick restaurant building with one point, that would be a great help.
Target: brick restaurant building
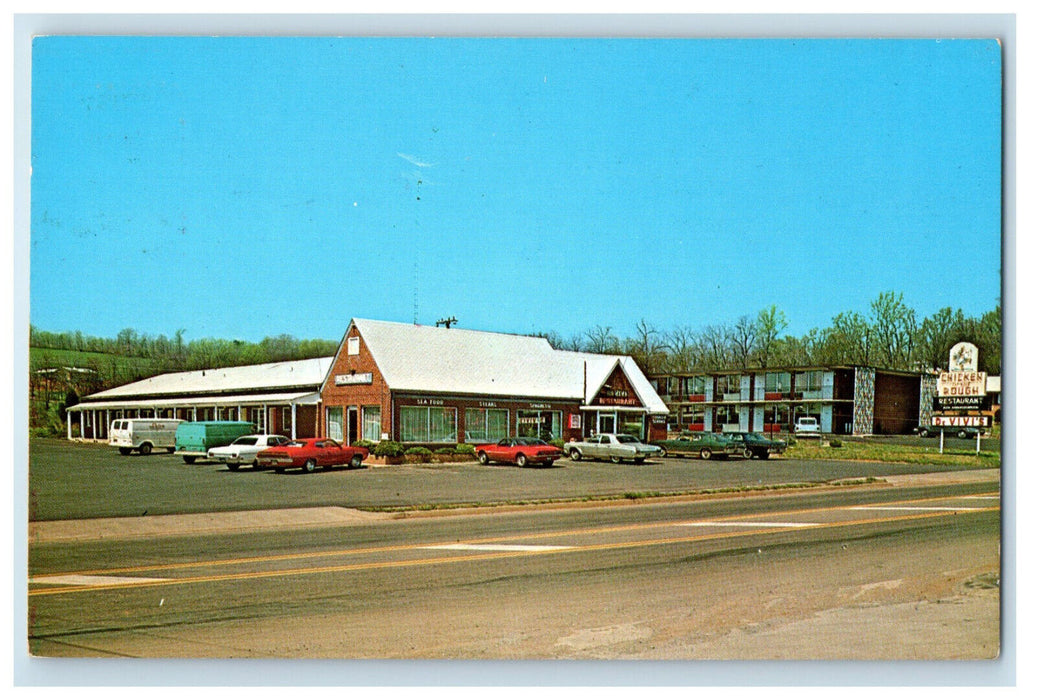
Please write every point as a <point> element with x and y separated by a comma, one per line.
<point>846,400</point>
<point>429,385</point>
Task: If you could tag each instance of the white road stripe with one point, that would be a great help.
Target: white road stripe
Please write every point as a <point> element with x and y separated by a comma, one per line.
<point>757,523</point>
<point>500,547</point>
<point>80,580</point>
<point>946,508</point>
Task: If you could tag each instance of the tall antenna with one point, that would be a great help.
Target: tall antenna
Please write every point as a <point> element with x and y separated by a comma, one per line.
<point>446,322</point>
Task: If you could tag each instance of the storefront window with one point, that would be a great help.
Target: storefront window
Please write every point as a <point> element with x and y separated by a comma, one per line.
<point>442,425</point>
<point>372,423</point>
<point>335,423</point>
<point>546,425</point>
<point>485,424</point>
<point>422,424</point>
<point>633,424</point>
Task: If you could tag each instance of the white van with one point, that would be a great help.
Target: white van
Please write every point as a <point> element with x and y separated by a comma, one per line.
<point>143,434</point>
<point>807,425</point>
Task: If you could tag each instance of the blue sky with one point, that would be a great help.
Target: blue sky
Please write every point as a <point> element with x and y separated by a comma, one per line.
<point>246,187</point>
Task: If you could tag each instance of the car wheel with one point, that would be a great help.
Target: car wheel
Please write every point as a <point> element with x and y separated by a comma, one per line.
<point>663,453</point>
<point>356,462</point>
<point>483,459</point>
<point>125,450</point>
<point>747,453</point>
<point>963,434</point>
<point>764,454</point>
<point>616,460</point>
<point>189,460</point>
<point>310,466</point>
<point>706,453</point>
<point>521,460</point>
<point>923,433</point>
<point>575,455</point>
<point>145,449</point>
<point>255,464</point>
<point>639,460</point>
<point>233,466</point>
<point>171,450</point>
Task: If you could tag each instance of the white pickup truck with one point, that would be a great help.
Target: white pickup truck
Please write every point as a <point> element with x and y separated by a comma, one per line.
<point>611,446</point>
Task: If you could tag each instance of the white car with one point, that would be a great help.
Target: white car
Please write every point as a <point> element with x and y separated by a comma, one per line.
<point>244,450</point>
<point>614,447</point>
<point>807,425</point>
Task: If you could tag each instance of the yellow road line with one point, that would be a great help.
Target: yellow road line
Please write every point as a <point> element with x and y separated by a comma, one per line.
<point>271,558</point>
<point>480,557</point>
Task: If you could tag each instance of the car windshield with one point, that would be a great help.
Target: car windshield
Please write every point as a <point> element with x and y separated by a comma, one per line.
<point>246,441</point>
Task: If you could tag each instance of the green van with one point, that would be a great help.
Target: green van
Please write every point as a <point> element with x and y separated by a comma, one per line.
<point>194,439</point>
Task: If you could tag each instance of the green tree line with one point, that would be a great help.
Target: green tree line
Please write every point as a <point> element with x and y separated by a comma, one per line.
<point>132,355</point>
<point>889,335</point>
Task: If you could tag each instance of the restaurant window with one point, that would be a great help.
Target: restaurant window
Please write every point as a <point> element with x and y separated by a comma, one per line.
<point>546,425</point>
<point>485,424</point>
<point>335,423</point>
<point>426,424</point>
<point>372,428</point>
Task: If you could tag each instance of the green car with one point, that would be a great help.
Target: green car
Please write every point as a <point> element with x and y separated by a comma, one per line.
<point>757,445</point>
<point>703,445</point>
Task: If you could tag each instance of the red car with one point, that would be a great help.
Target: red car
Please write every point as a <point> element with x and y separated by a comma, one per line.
<point>518,450</point>
<point>311,453</point>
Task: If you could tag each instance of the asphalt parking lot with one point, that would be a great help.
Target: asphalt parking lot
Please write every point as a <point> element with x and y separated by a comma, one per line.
<point>74,480</point>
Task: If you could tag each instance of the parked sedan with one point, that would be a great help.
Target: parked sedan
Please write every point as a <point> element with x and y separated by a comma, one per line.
<point>705,445</point>
<point>244,450</point>
<point>518,450</point>
<point>757,445</point>
<point>311,453</point>
<point>614,447</point>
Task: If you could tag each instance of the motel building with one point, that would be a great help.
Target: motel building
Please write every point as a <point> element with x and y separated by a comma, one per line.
<point>277,397</point>
<point>846,400</point>
<point>426,385</point>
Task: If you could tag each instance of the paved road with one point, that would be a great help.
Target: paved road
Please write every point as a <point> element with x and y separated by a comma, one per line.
<point>661,580</point>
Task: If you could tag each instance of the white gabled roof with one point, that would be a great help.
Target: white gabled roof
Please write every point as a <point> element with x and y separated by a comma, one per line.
<point>272,375</point>
<point>459,361</point>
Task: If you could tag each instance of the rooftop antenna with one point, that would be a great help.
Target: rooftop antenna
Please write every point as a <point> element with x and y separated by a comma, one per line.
<point>446,322</point>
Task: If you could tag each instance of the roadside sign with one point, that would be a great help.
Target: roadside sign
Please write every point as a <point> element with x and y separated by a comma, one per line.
<point>962,384</point>
<point>961,421</point>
